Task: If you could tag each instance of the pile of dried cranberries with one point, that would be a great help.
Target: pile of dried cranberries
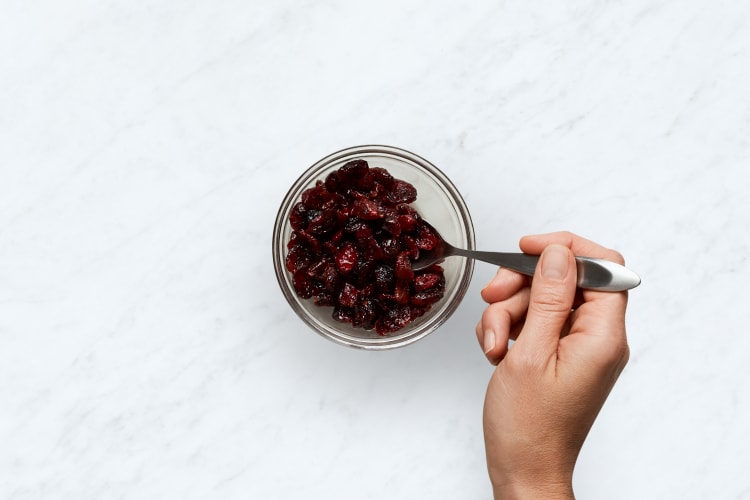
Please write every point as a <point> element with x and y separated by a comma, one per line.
<point>353,240</point>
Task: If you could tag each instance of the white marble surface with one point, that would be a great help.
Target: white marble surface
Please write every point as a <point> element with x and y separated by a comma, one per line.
<point>145,349</point>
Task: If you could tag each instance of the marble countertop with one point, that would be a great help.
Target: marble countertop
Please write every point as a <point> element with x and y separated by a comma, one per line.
<point>145,348</point>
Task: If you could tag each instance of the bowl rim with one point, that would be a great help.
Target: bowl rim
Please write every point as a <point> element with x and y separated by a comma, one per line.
<point>311,174</point>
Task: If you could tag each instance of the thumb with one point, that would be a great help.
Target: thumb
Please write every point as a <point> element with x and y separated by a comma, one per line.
<point>552,292</point>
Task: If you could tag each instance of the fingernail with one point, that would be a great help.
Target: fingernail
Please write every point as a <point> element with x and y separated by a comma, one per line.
<point>489,341</point>
<point>555,262</point>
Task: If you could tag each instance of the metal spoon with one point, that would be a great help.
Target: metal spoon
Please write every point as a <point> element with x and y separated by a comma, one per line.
<point>593,273</point>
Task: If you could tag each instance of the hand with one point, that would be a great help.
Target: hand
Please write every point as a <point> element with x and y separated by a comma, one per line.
<point>570,347</point>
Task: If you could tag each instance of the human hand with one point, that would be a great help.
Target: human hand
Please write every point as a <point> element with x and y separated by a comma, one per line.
<point>570,347</point>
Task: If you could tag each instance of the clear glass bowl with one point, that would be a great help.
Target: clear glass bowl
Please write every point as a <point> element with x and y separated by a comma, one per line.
<point>438,202</point>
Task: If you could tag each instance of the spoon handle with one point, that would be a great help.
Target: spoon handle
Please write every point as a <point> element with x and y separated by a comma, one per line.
<point>593,273</point>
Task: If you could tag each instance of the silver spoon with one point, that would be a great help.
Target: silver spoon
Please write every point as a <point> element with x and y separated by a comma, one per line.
<point>593,273</point>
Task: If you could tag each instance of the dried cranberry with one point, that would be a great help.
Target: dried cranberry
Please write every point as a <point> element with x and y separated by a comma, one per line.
<point>407,222</point>
<point>336,238</point>
<point>384,278</point>
<point>425,281</point>
<point>323,223</point>
<point>353,242</point>
<point>362,274</point>
<point>402,292</point>
<point>391,247</point>
<point>330,278</point>
<point>303,284</point>
<point>298,217</point>
<point>426,298</point>
<point>394,319</point>
<point>406,209</point>
<point>403,269</point>
<point>367,291</point>
<point>354,168</point>
<point>310,240</point>
<point>316,197</point>
<point>427,239</point>
<point>411,247</point>
<point>402,192</point>
<point>364,314</point>
<point>346,258</point>
<point>323,299</point>
<point>329,248</point>
<point>382,176</point>
<point>367,209</point>
<point>350,173</point>
<point>366,243</point>
<point>353,224</point>
<point>364,234</point>
<point>366,182</point>
<point>298,258</point>
<point>391,224</point>
<point>332,181</point>
<point>348,296</point>
<point>343,314</point>
<point>317,269</point>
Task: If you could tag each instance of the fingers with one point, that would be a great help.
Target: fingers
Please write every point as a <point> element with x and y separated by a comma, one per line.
<point>502,321</point>
<point>503,285</point>
<point>539,315</point>
<point>534,244</point>
<point>606,308</point>
<point>551,298</point>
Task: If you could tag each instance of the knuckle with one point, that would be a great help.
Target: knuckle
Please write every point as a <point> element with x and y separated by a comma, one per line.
<point>551,302</point>
<point>567,236</point>
<point>625,355</point>
<point>486,317</point>
<point>616,256</point>
<point>617,354</point>
<point>496,313</point>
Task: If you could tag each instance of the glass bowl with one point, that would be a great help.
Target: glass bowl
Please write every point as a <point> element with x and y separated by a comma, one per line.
<point>438,202</point>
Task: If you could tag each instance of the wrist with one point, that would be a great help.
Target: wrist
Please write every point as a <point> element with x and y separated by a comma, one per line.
<point>543,489</point>
<point>545,480</point>
<point>534,471</point>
